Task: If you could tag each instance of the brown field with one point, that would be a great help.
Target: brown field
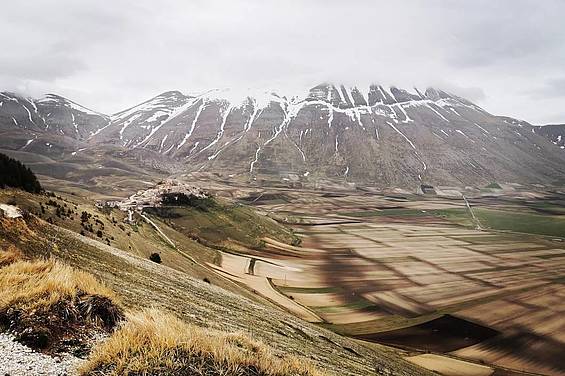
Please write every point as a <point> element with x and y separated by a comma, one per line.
<point>449,366</point>
<point>416,280</point>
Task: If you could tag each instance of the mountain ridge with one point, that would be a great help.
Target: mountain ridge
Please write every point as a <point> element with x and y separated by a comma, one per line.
<point>383,136</point>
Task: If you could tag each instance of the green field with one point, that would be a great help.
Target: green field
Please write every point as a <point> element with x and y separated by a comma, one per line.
<point>457,215</point>
<point>550,225</point>
<point>506,220</point>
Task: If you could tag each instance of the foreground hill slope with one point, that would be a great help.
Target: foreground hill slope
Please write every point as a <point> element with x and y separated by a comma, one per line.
<point>142,283</point>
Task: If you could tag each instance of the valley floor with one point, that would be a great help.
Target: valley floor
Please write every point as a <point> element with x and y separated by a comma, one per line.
<point>416,273</point>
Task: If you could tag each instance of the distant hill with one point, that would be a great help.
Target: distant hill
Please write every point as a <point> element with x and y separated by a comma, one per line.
<point>15,174</point>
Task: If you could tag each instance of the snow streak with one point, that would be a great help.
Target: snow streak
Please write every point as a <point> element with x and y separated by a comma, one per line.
<point>193,124</point>
<point>297,146</point>
<point>402,134</point>
<point>407,118</point>
<point>255,160</point>
<point>289,114</point>
<point>253,116</point>
<point>437,112</point>
<point>163,142</point>
<point>221,131</point>
<point>484,130</point>
<point>74,123</point>
<point>194,147</point>
<point>28,111</point>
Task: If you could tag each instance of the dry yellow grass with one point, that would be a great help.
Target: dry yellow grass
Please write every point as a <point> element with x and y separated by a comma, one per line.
<point>153,342</point>
<point>33,285</point>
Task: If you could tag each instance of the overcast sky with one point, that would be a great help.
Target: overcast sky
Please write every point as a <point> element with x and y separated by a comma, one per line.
<point>507,55</point>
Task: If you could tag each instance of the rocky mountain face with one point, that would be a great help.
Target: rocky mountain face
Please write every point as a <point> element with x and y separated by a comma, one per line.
<point>379,136</point>
<point>554,132</point>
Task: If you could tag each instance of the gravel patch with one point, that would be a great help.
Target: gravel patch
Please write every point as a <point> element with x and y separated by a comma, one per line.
<point>19,360</point>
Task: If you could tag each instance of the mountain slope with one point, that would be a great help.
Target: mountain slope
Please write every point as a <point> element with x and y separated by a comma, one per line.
<point>68,118</point>
<point>382,136</point>
<point>554,132</point>
<point>136,125</point>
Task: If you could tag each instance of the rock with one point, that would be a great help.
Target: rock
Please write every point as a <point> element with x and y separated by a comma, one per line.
<point>19,360</point>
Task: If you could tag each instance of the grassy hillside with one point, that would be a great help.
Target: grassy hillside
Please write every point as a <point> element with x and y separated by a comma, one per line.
<point>138,238</point>
<point>141,283</point>
<point>222,224</point>
<point>54,308</point>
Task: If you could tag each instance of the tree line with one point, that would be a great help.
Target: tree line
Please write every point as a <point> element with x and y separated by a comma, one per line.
<point>15,174</point>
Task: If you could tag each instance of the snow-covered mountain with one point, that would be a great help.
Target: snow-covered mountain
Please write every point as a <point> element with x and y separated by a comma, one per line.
<point>69,118</point>
<point>50,113</point>
<point>385,136</point>
<point>52,126</point>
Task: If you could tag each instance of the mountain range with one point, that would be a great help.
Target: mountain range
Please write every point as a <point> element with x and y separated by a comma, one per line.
<point>380,136</point>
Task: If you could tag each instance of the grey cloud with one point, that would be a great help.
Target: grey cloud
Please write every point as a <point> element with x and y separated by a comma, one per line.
<point>554,87</point>
<point>40,67</point>
<point>505,31</point>
<point>113,55</point>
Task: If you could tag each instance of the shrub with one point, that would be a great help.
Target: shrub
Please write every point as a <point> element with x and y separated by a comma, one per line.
<point>155,257</point>
<point>204,203</point>
<point>85,216</point>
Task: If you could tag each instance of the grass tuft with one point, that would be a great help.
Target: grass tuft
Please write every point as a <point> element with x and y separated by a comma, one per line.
<point>44,303</point>
<point>152,342</point>
<point>33,285</point>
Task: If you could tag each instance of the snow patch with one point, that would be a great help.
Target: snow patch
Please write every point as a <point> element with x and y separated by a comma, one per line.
<point>406,117</point>
<point>28,142</point>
